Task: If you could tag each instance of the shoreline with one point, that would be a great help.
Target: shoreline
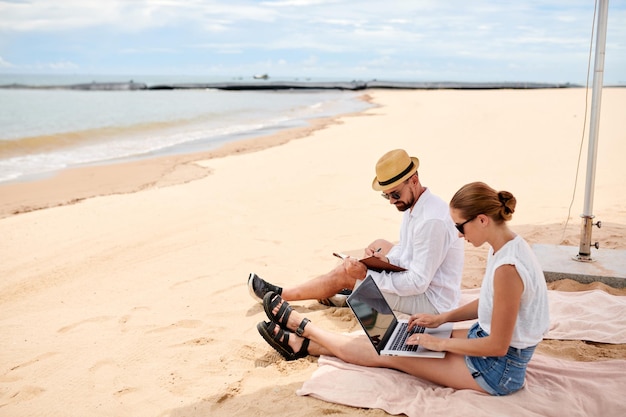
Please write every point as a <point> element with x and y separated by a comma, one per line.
<point>71,185</point>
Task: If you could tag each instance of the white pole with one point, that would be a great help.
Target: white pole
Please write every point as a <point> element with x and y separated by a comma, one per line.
<point>584,253</point>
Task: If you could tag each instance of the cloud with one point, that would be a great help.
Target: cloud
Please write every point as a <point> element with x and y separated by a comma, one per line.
<point>383,37</point>
<point>127,16</point>
<point>5,64</point>
<point>52,67</point>
<point>62,66</point>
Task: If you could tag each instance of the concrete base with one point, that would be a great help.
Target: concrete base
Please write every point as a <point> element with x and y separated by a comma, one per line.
<point>608,265</point>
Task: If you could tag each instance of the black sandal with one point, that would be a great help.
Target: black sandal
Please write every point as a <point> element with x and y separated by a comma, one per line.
<point>270,301</point>
<point>280,341</point>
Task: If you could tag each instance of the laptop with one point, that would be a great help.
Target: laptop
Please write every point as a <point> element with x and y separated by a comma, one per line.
<point>385,331</point>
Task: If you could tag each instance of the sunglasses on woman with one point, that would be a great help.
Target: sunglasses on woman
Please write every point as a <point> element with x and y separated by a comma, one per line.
<point>461,226</point>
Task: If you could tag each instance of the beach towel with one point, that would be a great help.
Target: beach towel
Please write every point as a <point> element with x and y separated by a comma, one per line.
<point>594,315</point>
<point>554,387</point>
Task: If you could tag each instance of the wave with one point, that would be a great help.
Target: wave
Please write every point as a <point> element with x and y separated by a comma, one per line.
<point>67,140</point>
<point>74,130</point>
<point>46,153</point>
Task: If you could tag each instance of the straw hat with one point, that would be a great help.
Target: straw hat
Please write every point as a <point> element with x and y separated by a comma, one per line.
<point>393,168</point>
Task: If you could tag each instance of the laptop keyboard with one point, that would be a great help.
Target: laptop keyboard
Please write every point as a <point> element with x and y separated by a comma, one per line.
<point>400,341</point>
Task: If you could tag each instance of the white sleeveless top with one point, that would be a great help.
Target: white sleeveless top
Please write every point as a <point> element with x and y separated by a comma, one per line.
<point>533,319</point>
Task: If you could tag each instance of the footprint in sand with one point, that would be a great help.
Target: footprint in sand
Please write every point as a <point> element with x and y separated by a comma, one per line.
<point>34,360</point>
<point>200,341</point>
<point>124,391</point>
<point>26,393</point>
<point>13,374</point>
<point>99,319</point>
<point>107,375</point>
<point>187,324</point>
<point>123,321</point>
<point>229,392</point>
<point>268,358</point>
<point>188,281</point>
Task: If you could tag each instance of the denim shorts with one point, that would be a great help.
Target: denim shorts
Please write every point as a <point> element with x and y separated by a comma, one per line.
<point>498,375</point>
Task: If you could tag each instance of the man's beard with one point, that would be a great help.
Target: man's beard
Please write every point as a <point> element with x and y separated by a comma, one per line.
<point>402,206</point>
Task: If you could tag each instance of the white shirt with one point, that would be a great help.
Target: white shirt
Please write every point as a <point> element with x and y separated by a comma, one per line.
<point>431,251</point>
<point>533,319</point>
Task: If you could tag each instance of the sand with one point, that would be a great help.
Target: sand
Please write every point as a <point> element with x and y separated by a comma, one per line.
<point>123,287</point>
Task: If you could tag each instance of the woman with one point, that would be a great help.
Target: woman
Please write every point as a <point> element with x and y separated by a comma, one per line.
<point>491,357</point>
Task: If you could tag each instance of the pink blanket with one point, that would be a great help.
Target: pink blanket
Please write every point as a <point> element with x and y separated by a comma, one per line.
<point>554,387</point>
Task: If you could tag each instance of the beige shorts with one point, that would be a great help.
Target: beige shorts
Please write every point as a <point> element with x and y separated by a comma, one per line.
<point>410,304</point>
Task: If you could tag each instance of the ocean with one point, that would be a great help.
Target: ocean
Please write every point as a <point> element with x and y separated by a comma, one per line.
<point>46,130</point>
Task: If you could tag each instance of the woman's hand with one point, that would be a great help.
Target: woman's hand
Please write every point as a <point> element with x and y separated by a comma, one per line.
<point>425,320</point>
<point>427,341</point>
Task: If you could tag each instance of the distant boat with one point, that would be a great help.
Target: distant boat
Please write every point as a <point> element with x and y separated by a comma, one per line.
<point>261,76</point>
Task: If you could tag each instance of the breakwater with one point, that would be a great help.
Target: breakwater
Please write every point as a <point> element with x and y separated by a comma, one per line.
<point>295,85</point>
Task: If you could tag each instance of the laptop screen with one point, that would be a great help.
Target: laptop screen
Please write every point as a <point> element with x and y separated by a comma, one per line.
<point>373,312</point>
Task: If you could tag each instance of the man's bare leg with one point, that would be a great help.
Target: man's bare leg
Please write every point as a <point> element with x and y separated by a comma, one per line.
<point>324,286</point>
<point>321,287</point>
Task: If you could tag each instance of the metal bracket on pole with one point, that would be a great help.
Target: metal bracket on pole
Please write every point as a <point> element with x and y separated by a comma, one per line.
<point>584,252</point>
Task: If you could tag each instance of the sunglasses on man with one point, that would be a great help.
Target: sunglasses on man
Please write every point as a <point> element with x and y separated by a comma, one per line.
<point>396,194</point>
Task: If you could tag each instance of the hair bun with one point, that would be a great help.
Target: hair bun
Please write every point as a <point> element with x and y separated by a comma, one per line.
<point>508,204</point>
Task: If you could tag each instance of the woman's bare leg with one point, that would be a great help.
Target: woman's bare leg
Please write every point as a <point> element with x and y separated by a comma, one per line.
<point>450,371</point>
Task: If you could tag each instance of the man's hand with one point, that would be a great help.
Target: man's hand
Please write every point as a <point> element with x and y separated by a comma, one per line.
<point>355,268</point>
<point>379,248</point>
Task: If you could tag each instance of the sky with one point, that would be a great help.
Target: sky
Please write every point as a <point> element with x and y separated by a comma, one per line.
<point>546,41</point>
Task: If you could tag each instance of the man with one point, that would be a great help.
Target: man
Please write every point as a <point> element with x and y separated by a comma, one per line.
<point>429,248</point>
